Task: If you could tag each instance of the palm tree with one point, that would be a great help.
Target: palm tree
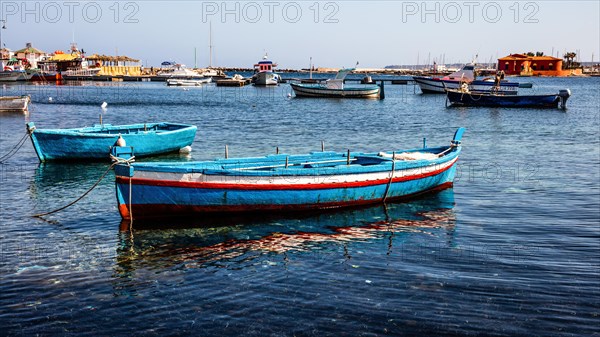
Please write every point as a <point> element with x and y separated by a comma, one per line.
<point>569,57</point>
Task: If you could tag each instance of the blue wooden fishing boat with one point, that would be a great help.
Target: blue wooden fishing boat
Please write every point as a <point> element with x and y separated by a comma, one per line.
<point>319,180</point>
<point>466,98</point>
<point>92,143</point>
<point>335,88</point>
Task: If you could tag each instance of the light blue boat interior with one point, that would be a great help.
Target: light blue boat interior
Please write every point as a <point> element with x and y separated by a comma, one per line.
<point>313,164</point>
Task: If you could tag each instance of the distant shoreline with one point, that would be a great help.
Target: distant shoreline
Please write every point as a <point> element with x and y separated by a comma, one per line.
<point>385,71</point>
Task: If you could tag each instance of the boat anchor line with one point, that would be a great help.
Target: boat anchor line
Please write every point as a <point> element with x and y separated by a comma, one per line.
<point>15,148</point>
<point>387,188</point>
<point>115,163</point>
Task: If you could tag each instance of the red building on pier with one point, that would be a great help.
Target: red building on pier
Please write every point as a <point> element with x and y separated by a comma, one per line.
<point>524,65</point>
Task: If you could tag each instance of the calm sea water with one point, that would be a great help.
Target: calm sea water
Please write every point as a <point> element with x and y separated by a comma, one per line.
<point>512,249</point>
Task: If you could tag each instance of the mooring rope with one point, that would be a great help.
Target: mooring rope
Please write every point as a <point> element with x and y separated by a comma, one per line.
<point>15,149</point>
<point>130,208</point>
<point>81,197</point>
<point>387,188</point>
<point>116,162</point>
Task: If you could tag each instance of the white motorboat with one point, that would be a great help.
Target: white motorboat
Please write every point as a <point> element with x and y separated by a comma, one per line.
<point>192,82</point>
<point>465,76</point>
<point>263,73</point>
<point>12,75</point>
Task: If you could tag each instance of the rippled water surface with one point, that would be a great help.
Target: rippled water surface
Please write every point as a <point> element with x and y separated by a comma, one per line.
<point>512,249</point>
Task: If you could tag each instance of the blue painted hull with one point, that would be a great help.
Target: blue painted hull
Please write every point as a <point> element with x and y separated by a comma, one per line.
<point>94,143</point>
<point>306,182</point>
<point>485,100</point>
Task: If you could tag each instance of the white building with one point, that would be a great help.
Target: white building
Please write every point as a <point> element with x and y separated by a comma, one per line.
<point>31,54</point>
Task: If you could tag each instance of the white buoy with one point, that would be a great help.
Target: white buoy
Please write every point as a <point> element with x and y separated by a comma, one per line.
<point>289,95</point>
<point>120,141</point>
<point>49,99</point>
<point>104,105</point>
<point>185,150</point>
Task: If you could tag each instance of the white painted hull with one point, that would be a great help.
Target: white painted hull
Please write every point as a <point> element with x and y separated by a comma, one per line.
<point>311,90</point>
<point>14,103</point>
<point>266,78</point>
<point>9,76</point>
<point>429,85</point>
<point>188,82</point>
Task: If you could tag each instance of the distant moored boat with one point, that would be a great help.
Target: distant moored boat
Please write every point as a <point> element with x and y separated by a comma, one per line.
<point>335,88</point>
<point>263,73</point>
<point>462,98</point>
<point>466,75</point>
<point>14,103</point>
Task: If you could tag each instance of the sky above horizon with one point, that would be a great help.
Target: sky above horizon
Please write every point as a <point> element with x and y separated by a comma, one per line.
<point>333,33</point>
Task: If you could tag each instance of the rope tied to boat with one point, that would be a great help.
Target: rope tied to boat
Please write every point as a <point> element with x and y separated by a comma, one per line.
<point>16,148</point>
<point>118,160</point>
<point>387,188</point>
<point>81,197</point>
<point>453,144</point>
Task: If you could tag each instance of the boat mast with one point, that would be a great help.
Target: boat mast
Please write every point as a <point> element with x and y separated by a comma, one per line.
<point>210,44</point>
<point>310,66</point>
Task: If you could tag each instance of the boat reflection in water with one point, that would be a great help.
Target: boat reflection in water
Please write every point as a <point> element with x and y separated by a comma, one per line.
<point>229,242</point>
<point>55,184</point>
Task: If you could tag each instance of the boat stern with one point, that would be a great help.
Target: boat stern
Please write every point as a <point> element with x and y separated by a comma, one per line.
<point>563,96</point>
<point>123,174</point>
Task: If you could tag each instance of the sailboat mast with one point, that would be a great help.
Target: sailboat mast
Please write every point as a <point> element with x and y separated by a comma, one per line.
<point>210,44</point>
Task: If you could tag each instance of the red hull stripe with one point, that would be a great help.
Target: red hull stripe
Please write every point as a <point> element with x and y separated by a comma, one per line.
<point>147,211</point>
<point>317,186</point>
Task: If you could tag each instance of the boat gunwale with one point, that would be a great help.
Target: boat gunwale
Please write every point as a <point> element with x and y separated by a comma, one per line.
<point>372,87</point>
<point>457,92</point>
<point>505,101</point>
<point>217,167</point>
<point>503,83</point>
<point>98,131</point>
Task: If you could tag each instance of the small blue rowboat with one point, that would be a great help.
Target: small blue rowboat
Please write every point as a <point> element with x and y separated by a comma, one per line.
<point>93,143</point>
<point>319,180</point>
<point>462,98</point>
